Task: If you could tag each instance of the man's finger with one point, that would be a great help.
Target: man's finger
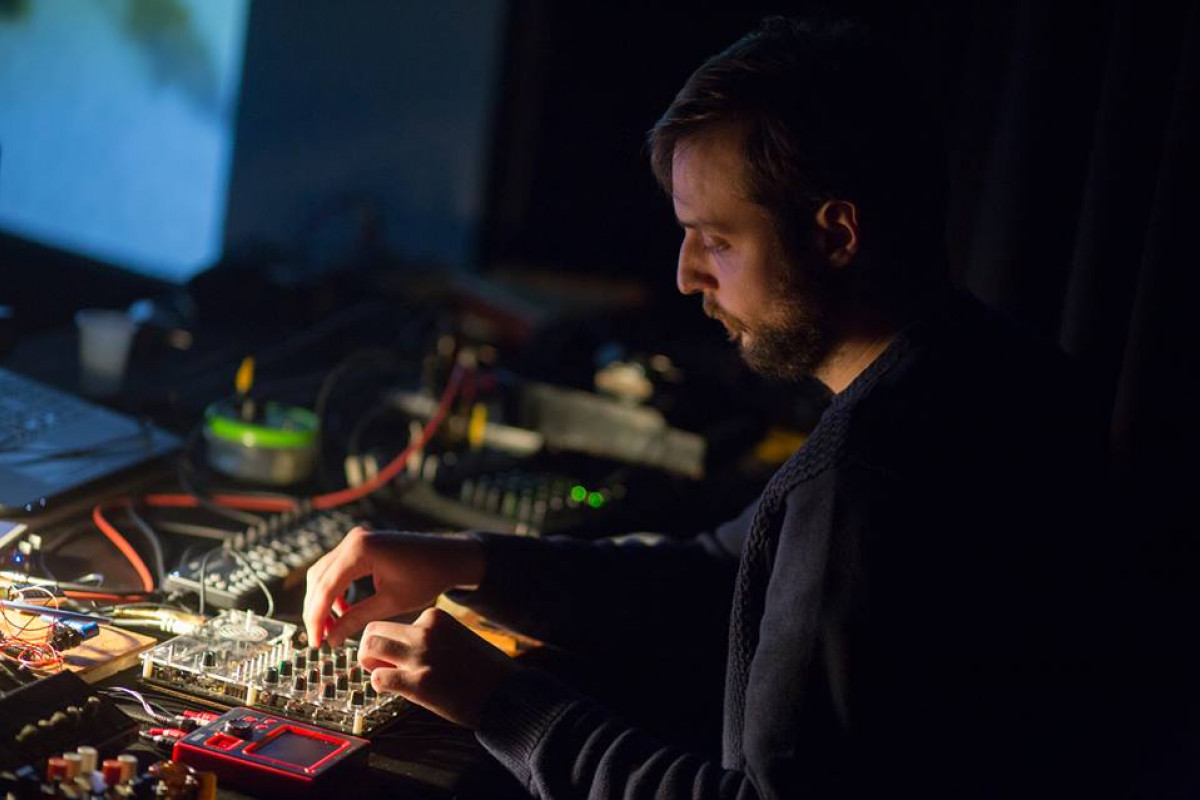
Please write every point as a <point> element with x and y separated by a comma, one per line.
<point>354,618</point>
<point>389,680</point>
<point>384,644</point>
<point>349,565</point>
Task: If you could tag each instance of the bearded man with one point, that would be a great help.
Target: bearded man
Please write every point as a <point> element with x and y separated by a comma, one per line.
<point>898,599</point>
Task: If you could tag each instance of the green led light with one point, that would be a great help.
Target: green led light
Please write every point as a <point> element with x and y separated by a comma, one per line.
<point>595,499</point>
<point>578,493</point>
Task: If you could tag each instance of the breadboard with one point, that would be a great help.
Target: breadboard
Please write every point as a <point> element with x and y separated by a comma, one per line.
<point>105,654</point>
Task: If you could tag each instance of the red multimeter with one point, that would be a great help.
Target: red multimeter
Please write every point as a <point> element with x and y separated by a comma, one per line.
<point>267,754</point>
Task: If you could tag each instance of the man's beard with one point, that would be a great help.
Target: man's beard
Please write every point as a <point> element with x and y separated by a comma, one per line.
<point>796,339</point>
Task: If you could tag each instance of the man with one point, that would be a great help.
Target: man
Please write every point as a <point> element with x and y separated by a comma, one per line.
<point>898,592</point>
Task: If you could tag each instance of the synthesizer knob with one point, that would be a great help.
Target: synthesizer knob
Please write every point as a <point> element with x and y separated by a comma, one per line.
<point>356,674</point>
<point>327,691</point>
<point>327,669</point>
<point>272,677</point>
<point>339,660</point>
<point>357,698</point>
<point>209,658</point>
<point>299,684</point>
<point>314,675</point>
<point>241,728</point>
<point>300,661</point>
<point>285,669</point>
<point>370,692</point>
<point>343,683</point>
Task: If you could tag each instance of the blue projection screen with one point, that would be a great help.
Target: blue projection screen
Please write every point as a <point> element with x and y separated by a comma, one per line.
<point>117,125</point>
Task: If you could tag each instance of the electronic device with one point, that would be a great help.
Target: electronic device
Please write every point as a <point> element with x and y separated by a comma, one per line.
<point>244,659</point>
<point>266,754</point>
<point>52,442</point>
<point>55,713</point>
<point>277,551</point>
<point>533,496</point>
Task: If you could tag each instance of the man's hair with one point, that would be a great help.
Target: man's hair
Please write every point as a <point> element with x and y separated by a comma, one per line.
<point>828,114</point>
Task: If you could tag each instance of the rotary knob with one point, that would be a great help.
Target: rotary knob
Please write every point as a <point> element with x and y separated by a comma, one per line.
<point>241,728</point>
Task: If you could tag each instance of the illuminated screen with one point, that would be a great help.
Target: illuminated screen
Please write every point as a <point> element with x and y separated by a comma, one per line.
<point>295,748</point>
<point>116,127</point>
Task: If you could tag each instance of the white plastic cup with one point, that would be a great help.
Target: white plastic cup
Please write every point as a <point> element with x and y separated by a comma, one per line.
<point>105,337</point>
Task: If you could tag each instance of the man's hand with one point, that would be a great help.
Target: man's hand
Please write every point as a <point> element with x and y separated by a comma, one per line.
<point>409,569</point>
<point>437,663</point>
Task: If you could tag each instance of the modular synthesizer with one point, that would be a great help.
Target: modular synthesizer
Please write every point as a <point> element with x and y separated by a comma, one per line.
<point>240,659</point>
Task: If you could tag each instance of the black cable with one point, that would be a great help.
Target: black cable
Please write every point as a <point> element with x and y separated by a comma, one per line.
<point>151,537</point>
<point>255,577</point>
<point>204,576</point>
<point>186,471</point>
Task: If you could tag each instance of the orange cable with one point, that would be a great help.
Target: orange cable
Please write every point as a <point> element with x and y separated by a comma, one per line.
<point>123,545</point>
<point>131,598</point>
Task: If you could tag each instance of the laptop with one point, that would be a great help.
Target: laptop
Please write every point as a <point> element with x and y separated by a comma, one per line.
<point>53,442</point>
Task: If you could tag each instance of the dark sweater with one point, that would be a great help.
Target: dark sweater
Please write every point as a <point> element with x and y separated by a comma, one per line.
<point>904,614</point>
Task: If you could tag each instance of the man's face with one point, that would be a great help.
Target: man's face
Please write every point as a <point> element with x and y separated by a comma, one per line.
<point>777,312</point>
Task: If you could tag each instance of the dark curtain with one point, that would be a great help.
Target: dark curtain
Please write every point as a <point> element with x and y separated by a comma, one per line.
<point>1076,197</point>
<point>1075,207</point>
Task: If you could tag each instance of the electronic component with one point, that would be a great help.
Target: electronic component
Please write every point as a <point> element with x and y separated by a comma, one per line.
<point>55,713</point>
<point>243,659</point>
<point>489,490</point>
<point>278,551</point>
<point>66,634</point>
<point>266,754</point>
<point>45,638</point>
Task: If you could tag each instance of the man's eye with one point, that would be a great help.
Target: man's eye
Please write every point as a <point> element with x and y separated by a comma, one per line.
<point>715,246</point>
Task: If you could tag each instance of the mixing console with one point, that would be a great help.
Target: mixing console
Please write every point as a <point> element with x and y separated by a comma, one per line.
<point>277,551</point>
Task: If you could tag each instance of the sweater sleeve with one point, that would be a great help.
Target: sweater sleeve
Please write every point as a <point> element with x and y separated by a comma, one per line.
<point>589,594</point>
<point>560,744</point>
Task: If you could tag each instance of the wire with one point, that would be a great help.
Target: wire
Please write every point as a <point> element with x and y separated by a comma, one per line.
<point>123,545</point>
<point>394,467</point>
<point>149,534</point>
<point>28,653</point>
<point>241,559</point>
<point>246,502</point>
<point>186,472</point>
<point>161,715</point>
<point>257,502</point>
<point>204,576</point>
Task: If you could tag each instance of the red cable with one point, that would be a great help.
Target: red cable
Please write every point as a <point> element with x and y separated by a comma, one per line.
<point>393,468</point>
<point>243,502</point>
<point>126,549</point>
<point>116,598</point>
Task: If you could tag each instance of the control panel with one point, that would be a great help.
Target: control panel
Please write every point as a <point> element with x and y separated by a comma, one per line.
<point>240,658</point>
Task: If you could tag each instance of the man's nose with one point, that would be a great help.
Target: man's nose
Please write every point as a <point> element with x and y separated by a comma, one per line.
<point>692,274</point>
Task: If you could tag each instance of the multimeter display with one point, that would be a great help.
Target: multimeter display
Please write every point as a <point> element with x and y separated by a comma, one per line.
<point>295,748</point>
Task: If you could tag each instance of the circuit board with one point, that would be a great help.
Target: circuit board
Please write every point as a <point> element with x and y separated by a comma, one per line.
<point>240,659</point>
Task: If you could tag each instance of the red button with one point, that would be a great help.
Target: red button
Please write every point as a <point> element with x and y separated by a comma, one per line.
<point>222,741</point>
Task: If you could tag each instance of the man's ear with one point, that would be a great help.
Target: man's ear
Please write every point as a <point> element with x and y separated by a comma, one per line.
<point>836,231</point>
